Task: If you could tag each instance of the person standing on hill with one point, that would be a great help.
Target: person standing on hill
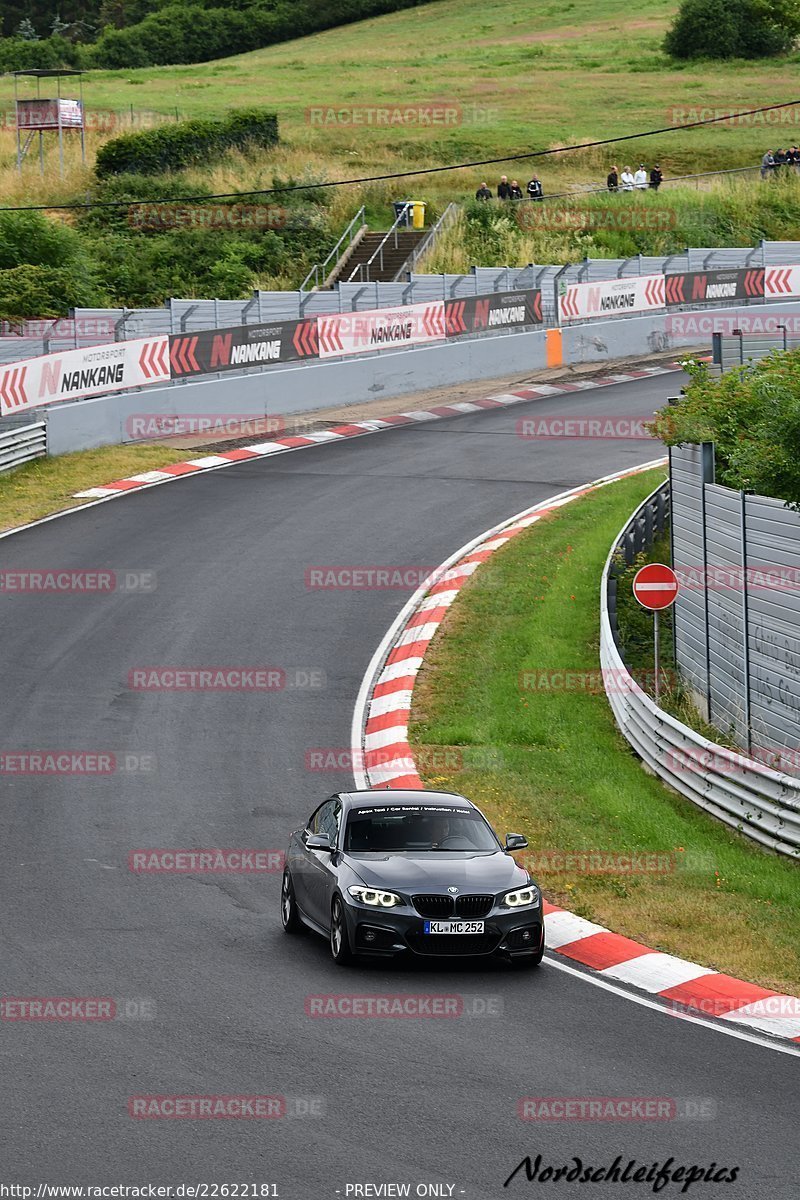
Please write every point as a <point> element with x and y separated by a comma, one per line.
<point>640,178</point>
<point>484,193</point>
<point>612,180</point>
<point>504,188</point>
<point>656,177</point>
<point>627,180</point>
<point>535,189</point>
<point>516,190</point>
<point>767,164</point>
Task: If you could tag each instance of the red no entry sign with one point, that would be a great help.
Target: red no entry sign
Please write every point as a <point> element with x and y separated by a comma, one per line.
<point>655,586</point>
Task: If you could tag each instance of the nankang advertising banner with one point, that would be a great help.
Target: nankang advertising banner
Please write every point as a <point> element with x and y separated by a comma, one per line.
<point>637,294</point>
<point>709,287</point>
<point>497,310</point>
<point>91,371</point>
<point>233,349</point>
<point>381,329</point>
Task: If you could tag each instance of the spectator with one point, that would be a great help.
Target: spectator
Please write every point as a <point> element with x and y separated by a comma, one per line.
<point>767,164</point>
<point>656,177</point>
<point>640,178</point>
<point>516,190</point>
<point>534,189</point>
<point>504,188</point>
<point>627,180</point>
<point>794,158</point>
<point>612,180</point>
<point>780,159</point>
<point>484,193</point>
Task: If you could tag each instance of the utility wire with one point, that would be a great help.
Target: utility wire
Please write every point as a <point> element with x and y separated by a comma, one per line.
<point>308,187</point>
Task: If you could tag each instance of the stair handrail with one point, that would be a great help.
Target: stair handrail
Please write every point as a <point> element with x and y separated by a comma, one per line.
<point>320,269</point>
<point>447,218</point>
<point>402,217</point>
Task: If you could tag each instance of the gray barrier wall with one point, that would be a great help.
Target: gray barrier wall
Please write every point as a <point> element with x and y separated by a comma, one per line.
<point>105,420</point>
<point>737,614</point>
<point>281,391</point>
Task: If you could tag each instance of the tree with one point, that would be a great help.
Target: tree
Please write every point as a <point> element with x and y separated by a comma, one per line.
<point>26,31</point>
<point>733,29</point>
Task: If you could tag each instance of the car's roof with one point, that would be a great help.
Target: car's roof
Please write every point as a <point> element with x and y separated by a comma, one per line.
<point>392,797</point>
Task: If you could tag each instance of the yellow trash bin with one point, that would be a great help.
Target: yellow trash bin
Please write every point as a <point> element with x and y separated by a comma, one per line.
<point>418,214</point>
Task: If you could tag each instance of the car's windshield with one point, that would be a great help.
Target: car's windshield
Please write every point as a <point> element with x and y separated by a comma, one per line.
<point>417,827</point>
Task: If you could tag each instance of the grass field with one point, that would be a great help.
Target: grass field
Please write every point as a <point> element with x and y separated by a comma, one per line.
<point>520,77</point>
<point>552,764</point>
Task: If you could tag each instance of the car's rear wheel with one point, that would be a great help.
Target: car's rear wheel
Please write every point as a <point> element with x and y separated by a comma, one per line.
<point>340,938</point>
<point>290,917</point>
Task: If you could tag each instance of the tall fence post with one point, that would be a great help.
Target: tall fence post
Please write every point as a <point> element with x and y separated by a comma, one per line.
<point>745,620</point>
<point>706,476</point>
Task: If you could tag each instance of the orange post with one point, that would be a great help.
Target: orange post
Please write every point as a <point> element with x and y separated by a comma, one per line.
<point>553,348</point>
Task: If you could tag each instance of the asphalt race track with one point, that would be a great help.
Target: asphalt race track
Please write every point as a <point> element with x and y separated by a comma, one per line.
<point>402,1101</point>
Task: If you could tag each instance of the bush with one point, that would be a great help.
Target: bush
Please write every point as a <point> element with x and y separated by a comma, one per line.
<point>752,415</point>
<point>174,147</point>
<point>199,32</point>
<point>30,291</point>
<point>17,54</point>
<point>733,29</point>
<point>30,238</point>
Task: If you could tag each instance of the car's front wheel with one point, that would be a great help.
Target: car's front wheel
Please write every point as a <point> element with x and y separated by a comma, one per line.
<point>340,938</point>
<point>290,917</point>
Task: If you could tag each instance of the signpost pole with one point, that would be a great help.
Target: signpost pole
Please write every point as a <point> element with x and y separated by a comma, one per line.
<point>656,653</point>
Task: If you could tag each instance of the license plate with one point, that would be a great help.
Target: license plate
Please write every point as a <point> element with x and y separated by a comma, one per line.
<point>453,927</point>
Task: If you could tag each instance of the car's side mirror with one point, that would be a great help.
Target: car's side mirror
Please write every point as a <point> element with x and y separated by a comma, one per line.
<point>516,841</point>
<point>321,841</point>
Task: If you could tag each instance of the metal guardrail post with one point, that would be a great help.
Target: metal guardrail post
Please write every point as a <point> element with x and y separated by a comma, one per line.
<point>706,476</point>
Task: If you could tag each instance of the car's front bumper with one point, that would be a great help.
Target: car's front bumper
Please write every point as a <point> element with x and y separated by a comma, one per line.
<point>383,932</point>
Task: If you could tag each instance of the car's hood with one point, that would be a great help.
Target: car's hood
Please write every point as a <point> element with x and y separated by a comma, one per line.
<point>434,871</point>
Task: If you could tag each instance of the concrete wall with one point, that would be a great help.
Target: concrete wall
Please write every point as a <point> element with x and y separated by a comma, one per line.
<point>106,420</point>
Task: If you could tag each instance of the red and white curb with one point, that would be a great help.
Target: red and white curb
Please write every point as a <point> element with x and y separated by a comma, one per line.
<point>227,458</point>
<point>380,742</point>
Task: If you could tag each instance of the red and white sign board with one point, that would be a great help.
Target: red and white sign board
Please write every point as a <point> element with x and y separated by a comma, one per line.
<point>655,586</point>
<point>49,114</point>
<point>381,329</point>
<point>87,372</point>
<point>782,281</point>
<point>639,293</point>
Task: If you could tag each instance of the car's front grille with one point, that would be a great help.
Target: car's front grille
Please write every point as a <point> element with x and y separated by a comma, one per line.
<point>467,907</point>
<point>474,906</point>
<point>433,906</point>
<point>453,943</point>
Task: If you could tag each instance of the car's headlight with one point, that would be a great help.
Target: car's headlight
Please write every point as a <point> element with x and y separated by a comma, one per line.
<point>525,897</point>
<point>374,897</point>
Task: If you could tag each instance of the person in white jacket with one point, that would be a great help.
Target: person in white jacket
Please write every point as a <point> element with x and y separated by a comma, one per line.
<point>640,178</point>
<point>627,180</point>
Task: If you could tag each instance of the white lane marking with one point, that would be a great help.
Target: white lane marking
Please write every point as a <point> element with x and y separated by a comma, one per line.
<point>394,702</point>
<point>399,670</point>
<point>417,633</point>
<point>150,477</point>
<point>655,972</point>
<point>385,737</point>
<point>646,1002</point>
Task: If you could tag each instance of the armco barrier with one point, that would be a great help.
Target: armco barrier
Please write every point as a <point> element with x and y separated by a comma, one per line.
<point>759,802</point>
<point>22,443</point>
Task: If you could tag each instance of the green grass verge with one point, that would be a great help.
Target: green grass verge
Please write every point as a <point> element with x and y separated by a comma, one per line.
<point>48,485</point>
<point>553,765</point>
